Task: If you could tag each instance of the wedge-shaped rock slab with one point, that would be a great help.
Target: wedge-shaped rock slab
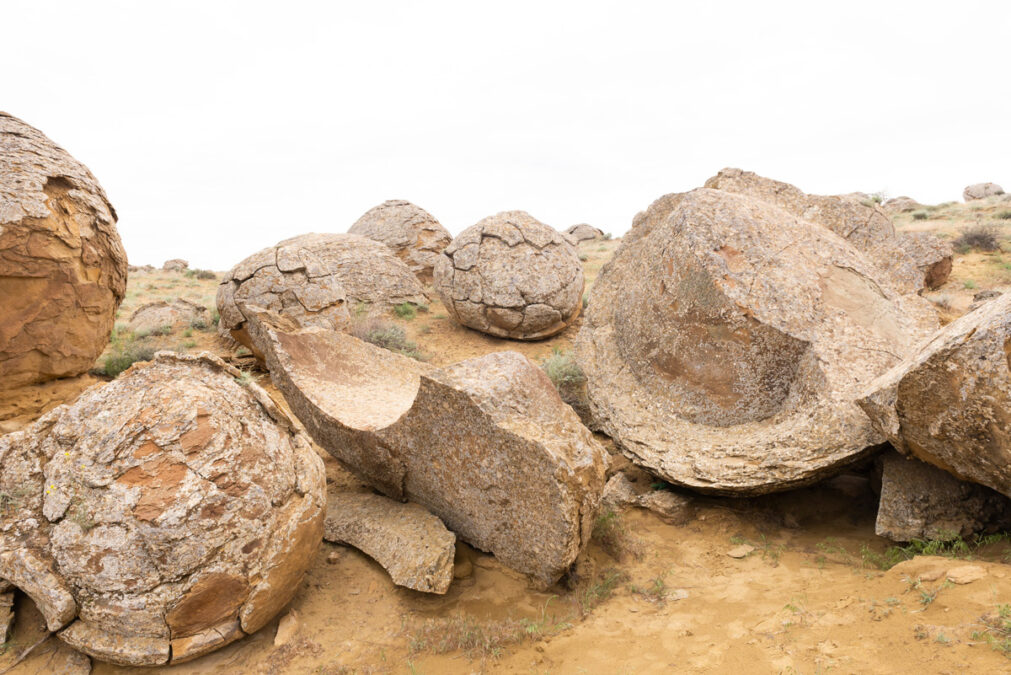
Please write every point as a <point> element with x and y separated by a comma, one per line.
<point>162,515</point>
<point>726,342</point>
<point>920,501</point>
<point>486,444</point>
<point>409,542</point>
<point>949,403</point>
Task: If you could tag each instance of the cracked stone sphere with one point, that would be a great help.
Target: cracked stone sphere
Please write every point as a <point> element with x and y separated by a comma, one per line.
<point>511,276</point>
<point>412,232</point>
<point>62,264</point>
<point>162,515</point>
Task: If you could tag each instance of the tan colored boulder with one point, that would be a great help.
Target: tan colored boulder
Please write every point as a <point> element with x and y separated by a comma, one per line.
<point>177,313</point>
<point>168,512</point>
<point>949,402</point>
<point>290,278</point>
<point>6,611</point>
<point>486,445</point>
<point>920,501</point>
<point>412,232</point>
<point>62,264</point>
<point>725,344</point>
<point>584,232</point>
<point>511,276</point>
<point>862,223</point>
<point>981,191</point>
<point>901,205</point>
<point>409,542</point>
<point>175,265</point>
<point>931,255</point>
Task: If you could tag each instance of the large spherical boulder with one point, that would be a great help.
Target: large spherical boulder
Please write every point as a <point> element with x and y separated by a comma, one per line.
<point>62,264</point>
<point>981,191</point>
<point>162,515</point>
<point>726,343</point>
<point>511,276</point>
<point>412,232</point>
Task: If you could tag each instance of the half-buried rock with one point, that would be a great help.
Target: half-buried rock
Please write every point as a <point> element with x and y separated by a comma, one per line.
<point>486,444</point>
<point>409,542</point>
<point>62,264</point>
<point>162,515</point>
<point>920,501</point>
<point>949,403</point>
<point>412,232</point>
<point>726,343</point>
<point>511,276</point>
<point>161,315</point>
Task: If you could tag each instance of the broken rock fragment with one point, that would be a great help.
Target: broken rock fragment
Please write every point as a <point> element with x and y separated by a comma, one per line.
<point>486,444</point>
<point>409,542</point>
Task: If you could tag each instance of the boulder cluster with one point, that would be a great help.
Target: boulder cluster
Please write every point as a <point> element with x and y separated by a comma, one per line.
<point>745,338</point>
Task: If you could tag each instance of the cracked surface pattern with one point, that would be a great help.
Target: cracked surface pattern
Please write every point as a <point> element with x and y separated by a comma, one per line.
<point>511,276</point>
<point>162,515</point>
<point>727,340</point>
<point>412,232</point>
<point>62,264</point>
<point>485,444</point>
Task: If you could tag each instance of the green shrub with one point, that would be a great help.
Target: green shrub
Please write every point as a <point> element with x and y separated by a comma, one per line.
<point>562,369</point>
<point>920,215</point>
<point>980,237</point>
<point>386,335</point>
<point>405,310</point>
<point>124,352</point>
<point>1003,215</point>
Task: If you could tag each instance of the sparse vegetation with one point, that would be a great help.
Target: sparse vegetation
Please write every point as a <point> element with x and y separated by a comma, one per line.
<point>600,590</point>
<point>562,369</point>
<point>583,257</point>
<point>970,284</point>
<point>13,499</point>
<point>920,215</point>
<point>610,532</point>
<point>656,591</point>
<point>125,350</point>
<point>979,237</point>
<point>1003,215</point>
<point>405,310</point>
<point>386,335</point>
<point>199,324</point>
<point>201,274</point>
<point>996,630</point>
<point>245,378</point>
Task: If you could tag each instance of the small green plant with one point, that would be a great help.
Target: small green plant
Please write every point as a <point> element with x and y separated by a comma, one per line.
<point>405,310</point>
<point>188,333</point>
<point>186,344</point>
<point>586,300</point>
<point>583,257</point>
<point>386,335</point>
<point>124,350</point>
<point>1003,215</point>
<point>562,369</point>
<point>600,589</point>
<point>996,630</point>
<point>607,236</point>
<point>245,378</point>
<point>199,323</point>
<point>920,215</point>
<point>970,284</point>
<point>656,591</point>
<point>216,317</point>
<point>78,515</point>
<point>610,532</point>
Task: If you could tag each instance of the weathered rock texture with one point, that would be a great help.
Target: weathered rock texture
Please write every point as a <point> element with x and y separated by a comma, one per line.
<point>175,265</point>
<point>584,232</point>
<point>486,444</point>
<point>290,278</point>
<point>620,492</point>
<point>176,313</point>
<point>920,501</point>
<point>62,264</point>
<point>949,403</point>
<point>409,542</point>
<point>725,345</point>
<point>162,515</point>
<point>412,232</point>
<point>863,224</point>
<point>981,191</point>
<point>930,254</point>
<point>6,611</point>
<point>511,276</point>
<point>901,205</point>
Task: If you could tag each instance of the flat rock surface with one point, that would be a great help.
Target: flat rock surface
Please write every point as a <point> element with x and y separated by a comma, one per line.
<point>486,444</point>
<point>726,343</point>
<point>62,264</point>
<point>172,510</point>
<point>408,541</point>
<point>511,276</point>
<point>948,402</point>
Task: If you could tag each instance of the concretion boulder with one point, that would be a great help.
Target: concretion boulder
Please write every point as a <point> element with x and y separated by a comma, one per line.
<point>862,223</point>
<point>901,205</point>
<point>930,254</point>
<point>62,264</point>
<point>981,191</point>
<point>584,232</point>
<point>725,345</point>
<point>162,515</point>
<point>511,276</point>
<point>412,232</point>
<point>949,402</point>
<point>409,542</point>
<point>485,444</point>
<point>290,278</point>
<point>920,501</point>
<point>175,265</point>
<point>155,316</point>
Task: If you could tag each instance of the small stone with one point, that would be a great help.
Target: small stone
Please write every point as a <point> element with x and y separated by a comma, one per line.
<point>742,551</point>
<point>966,574</point>
<point>286,628</point>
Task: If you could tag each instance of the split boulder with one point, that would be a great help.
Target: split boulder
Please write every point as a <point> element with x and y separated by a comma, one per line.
<point>511,276</point>
<point>62,264</point>
<point>162,515</point>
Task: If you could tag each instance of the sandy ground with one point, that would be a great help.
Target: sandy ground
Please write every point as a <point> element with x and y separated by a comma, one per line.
<point>810,598</point>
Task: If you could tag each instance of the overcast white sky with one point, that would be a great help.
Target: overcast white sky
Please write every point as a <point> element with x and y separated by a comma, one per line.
<point>218,128</point>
